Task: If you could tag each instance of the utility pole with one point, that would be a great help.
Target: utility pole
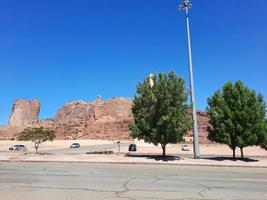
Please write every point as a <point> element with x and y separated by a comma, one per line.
<point>186,5</point>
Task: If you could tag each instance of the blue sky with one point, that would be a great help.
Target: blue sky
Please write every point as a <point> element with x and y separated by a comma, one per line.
<point>63,50</point>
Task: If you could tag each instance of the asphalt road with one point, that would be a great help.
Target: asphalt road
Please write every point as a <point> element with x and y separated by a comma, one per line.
<point>85,149</point>
<point>54,181</point>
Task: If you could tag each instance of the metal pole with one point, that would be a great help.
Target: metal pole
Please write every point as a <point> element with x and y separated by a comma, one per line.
<point>187,5</point>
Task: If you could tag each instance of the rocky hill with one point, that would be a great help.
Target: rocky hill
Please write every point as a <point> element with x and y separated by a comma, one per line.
<point>23,114</point>
<point>79,119</point>
<point>203,123</point>
<point>96,120</point>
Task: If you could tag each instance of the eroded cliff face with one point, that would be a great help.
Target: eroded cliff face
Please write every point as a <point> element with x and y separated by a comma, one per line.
<point>85,120</point>
<point>203,123</point>
<point>24,112</point>
<point>9,132</point>
<point>95,120</point>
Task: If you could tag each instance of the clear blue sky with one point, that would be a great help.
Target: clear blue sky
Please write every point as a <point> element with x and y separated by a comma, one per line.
<point>63,50</point>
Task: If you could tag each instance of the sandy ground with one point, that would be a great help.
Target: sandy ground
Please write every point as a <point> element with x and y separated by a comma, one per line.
<point>123,159</point>
<point>205,149</point>
<point>211,154</point>
<point>143,148</point>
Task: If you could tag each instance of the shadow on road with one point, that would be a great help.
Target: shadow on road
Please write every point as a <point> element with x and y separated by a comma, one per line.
<point>154,157</point>
<point>219,158</point>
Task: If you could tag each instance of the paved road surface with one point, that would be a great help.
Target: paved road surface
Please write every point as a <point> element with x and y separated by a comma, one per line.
<point>85,149</point>
<point>58,181</point>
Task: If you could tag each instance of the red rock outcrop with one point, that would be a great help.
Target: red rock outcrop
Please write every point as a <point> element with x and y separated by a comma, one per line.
<point>48,123</point>
<point>95,120</point>
<point>203,123</point>
<point>9,132</point>
<point>88,120</point>
<point>24,112</point>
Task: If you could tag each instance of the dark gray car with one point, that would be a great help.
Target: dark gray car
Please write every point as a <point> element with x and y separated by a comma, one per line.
<point>75,145</point>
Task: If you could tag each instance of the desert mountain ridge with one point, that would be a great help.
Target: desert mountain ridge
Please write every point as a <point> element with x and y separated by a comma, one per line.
<point>79,119</point>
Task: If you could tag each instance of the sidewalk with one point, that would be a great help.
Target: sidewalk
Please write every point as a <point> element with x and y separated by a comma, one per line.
<point>134,159</point>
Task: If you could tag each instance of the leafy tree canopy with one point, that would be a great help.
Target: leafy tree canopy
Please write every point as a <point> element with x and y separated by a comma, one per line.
<point>37,135</point>
<point>160,109</point>
<point>237,116</point>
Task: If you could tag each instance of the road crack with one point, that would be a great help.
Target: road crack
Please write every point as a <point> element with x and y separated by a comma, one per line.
<point>125,189</point>
<point>64,188</point>
<point>156,179</point>
<point>205,188</point>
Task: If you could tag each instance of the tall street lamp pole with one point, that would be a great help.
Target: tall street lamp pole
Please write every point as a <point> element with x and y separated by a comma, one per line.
<point>186,5</point>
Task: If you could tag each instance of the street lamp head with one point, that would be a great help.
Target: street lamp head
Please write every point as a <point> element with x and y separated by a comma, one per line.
<point>185,4</point>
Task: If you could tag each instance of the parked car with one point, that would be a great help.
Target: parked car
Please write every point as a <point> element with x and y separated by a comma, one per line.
<point>18,147</point>
<point>75,145</point>
<point>185,147</point>
<point>132,147</point>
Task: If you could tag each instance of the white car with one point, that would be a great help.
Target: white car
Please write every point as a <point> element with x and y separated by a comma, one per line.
<point>185,147</point>
<point>18,147</point>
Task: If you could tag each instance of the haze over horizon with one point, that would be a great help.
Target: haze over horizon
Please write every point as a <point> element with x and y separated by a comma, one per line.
<point>57,51</point>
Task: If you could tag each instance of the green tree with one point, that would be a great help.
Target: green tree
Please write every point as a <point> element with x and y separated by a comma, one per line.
<point>237,117</point>
<point>264,143</point>
<point>37,135</point>
<point>160,110</point>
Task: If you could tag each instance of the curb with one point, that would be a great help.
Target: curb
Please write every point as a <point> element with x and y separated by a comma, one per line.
<point>131,163</point>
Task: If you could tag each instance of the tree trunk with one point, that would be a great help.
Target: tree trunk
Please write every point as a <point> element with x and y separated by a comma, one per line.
<point>36,145</point>
<point>163,146</point>
<point>233,152</point>
<point>242,154</point>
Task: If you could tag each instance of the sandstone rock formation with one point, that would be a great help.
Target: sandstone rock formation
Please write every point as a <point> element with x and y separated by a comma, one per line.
<point>48,123</point>
<point>203,123</point>
<point>24,112</point>
<point>96,120</point>
<point>8,132</point>
<point>85,120</point>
